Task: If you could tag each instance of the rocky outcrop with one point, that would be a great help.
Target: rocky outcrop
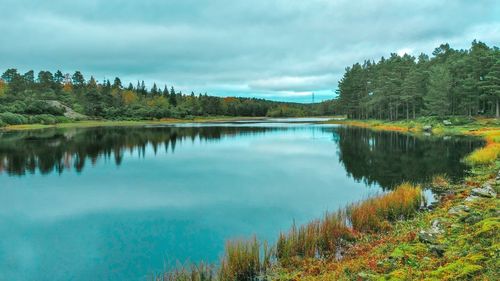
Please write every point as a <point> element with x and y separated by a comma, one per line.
<point>68,111</point>
<point>485,191</point>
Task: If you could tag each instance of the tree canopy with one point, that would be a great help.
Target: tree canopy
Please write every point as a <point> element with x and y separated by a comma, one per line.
<point>451,82</point>
<point>23,95</point>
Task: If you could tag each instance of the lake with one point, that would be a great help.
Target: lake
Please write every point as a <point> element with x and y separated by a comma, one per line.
<point>122,203</point>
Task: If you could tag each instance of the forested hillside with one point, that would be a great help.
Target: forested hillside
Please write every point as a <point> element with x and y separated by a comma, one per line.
<point>450,82</point>
<point>46,98</point>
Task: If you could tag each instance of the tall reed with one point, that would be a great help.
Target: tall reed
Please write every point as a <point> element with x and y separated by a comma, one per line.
<point>244,261</point>
<point>326,237</point>
<point>319,238</point>
<point>373,214</point>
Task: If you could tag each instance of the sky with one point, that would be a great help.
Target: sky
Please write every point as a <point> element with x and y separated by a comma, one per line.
<point>280,50</point>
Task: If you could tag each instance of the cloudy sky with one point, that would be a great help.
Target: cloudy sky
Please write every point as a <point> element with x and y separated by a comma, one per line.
<point>282,50</point>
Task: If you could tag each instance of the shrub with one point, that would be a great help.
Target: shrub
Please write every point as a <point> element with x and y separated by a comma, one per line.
<point>42,119</point>
<point>63,119</point>
<point>42,107</point>
<point>12,118</point>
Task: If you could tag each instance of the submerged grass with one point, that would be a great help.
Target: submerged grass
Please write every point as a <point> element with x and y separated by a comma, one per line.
<point>200,272</point>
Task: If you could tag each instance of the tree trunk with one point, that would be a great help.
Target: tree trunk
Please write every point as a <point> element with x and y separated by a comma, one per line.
<point>498,110</point>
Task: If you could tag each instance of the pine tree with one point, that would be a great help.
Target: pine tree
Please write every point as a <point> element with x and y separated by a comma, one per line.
<point>172,99</point>
<point>436,101</point>
<point>491,85</point>
<point>117,83</point>
<point>154,90</point>
<point>78,80</point>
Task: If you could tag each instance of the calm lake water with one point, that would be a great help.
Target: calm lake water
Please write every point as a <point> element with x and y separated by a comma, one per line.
<point>123,203</point>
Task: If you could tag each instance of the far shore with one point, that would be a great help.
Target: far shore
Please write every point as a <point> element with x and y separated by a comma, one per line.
<point>166,121</point>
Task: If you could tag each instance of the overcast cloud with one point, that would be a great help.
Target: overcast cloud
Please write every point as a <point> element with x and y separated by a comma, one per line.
<point>272,49</point>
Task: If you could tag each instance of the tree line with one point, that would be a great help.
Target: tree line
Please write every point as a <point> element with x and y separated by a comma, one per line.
<point>449,83</point>
<point>23,99</point>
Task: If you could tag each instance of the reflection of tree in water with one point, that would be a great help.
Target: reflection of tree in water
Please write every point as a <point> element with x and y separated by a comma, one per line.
<point>58,149</point>
<point>373,157</point>
<point>389,158</point>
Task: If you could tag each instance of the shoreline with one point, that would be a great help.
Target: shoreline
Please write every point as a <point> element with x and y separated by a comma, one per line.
<point>112,123</point>
<point>138,123</point>
<point>457,239</point>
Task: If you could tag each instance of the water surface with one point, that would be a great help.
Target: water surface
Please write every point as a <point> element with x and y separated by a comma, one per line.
<point>122,203</point>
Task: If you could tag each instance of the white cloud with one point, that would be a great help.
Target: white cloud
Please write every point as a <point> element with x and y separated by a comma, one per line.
<point>407,51</point>
<point>260,48</point>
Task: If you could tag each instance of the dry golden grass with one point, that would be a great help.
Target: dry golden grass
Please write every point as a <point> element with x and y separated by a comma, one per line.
<point>325,238</point>
<point>489,153</point>
<point>377,126</point>
<point>373,214</point>
<point>440,181</point>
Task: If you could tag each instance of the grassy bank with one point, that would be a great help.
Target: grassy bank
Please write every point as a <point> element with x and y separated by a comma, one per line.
<point>458,240</point>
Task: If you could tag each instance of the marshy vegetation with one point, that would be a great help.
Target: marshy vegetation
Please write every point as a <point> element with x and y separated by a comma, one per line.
<point>327,237</point>
<point>374,214</point>
<point>324,238</point>
<point>489,153</point>
<point>244,260</point>
<point>193,272</point>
